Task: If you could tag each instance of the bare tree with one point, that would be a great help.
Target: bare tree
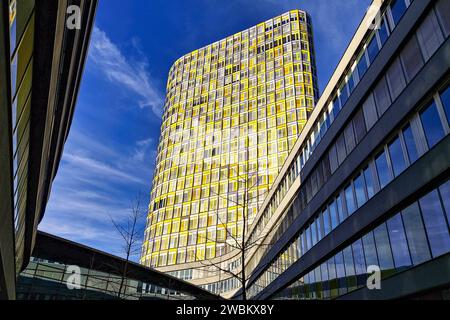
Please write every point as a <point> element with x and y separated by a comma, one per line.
<point>239,241</point>
<point>131,234</point>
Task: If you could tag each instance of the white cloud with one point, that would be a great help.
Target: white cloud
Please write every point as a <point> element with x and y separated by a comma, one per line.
<point>131,74</point>
<point>98,168</point>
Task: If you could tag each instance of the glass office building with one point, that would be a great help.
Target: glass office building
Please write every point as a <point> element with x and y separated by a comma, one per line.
<point>64,270</point>
<point>367,183</point>
<point>41,62</point>
<point>234,110</point>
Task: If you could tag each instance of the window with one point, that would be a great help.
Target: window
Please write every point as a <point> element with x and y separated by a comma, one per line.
<point>382,97</point>
<point>351,207</point>
<point>395,78</point>
<point>370,112</point>
<point>349,267</point>
<point>340,145</point>
<point>340,209</point>
<point>415,233</point>
<point>443,12</point>
<point>383,32</point>
<point>369,182</point>
<point>349,137</point>
<point>410,144</point>
<point>360,191</point>
<point>370,251</point>
<point>340,272</point>
<point>384,174</point>
<point>360,127</point>
<point>333,215</point>
<point>397,237</point>
<point>429,35</point>
<point>313,234</point>
<point>360,263</point>
<point>445,195</point>
<point>372,49</point>
<point>445,98</point>
<point>362,65</point>
<point>319,228</point>
<point>411,58</point>
<point>397,160</point>
<point>398,8</point>
<point>432,125</point>
<point>326,222</point>
<point>333,158</point>
<point>383,248</point>
<point>435,224</point>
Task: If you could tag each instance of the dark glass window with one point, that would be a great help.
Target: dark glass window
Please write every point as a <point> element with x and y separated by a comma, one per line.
<point>340,272</point>
<point>382,98</point>
<point>359,125</point>
<point>369,182</point>
<point>397,159</point>
<point>445,98</point>
<point>398,242</point>
<point>343,95</point>
<point>334,215</point>
<point>443,12</point>
<point>319,228</point>
<point>398,8</point>
<point>372,49</point>
<point>358,255</point>
<point>333,158</point>
<point>445,196</point>
<point>341,152</point>
<point>351,207</point>
<point>396,79</point>
<point>435,224</point>
<point>349,137</point>
<point>370,251</point>
<point>314,234</point>
<point>384,174</point>
<point>429,35</point>
<point>308,238</point>
<point>383,247</point>
<point>370,112</point>
<point>360,190</point>
<point>415,232</point>
<point>432,125</point>
<point>351,83</point>
<point>411,58</point>
<point>349,267</point>
<point>410,144</point>
<point>362,66</point>
<point>340,209</point>
<point>336,107</point>
<point>383,33</point>
<point>326,221</point>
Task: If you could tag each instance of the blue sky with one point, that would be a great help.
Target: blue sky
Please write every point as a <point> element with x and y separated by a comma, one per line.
<point>110,154</point>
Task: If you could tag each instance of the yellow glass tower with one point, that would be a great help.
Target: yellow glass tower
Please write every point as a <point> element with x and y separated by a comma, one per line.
<point>233,111</point>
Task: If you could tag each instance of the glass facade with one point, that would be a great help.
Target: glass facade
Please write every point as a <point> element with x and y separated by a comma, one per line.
<point>233,111</point>
<point>423,130</point>
<point>46,280</point>
<point>396,245</point>
<point>21,37</point>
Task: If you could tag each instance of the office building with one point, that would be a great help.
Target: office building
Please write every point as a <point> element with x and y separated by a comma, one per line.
<point>234,109</point>
<point>41,64</point>
<point>366,186</point>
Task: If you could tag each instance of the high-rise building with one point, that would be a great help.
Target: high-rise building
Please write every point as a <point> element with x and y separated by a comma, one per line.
<point>234,109</point>
<point>41,64</point>
<point>365,192</point>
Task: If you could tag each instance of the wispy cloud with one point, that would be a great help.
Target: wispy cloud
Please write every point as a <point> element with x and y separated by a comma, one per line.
<point>132,74</point>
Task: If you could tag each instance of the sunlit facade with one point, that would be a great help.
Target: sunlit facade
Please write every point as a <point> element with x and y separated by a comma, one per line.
<point>234,109</point>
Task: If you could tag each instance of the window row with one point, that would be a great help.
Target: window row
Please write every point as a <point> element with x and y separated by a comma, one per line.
<point>430,124</point>
<point>417,234</point>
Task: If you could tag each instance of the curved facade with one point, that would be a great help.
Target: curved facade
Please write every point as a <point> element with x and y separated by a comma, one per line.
<point>234,110</point>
